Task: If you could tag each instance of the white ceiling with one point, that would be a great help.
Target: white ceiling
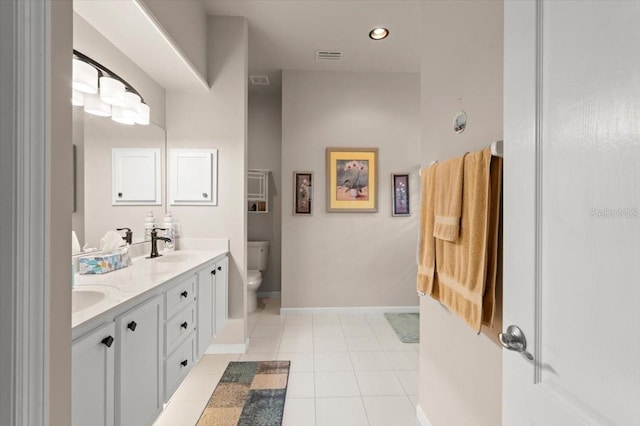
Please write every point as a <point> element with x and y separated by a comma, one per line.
<point>285,34</point>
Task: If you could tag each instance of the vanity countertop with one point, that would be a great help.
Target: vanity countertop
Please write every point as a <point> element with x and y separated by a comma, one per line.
<point>143,276</point>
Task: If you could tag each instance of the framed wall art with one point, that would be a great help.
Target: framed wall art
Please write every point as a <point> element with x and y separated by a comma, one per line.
<point>302,193</point>
<point>400,205</point>
<point>352,180</point>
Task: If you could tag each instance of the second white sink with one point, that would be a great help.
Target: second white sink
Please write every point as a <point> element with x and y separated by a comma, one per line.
<point>90,295</point>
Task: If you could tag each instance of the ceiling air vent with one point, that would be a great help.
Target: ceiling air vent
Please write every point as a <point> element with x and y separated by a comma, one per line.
<point>259,80</point>
<point>328,55</point>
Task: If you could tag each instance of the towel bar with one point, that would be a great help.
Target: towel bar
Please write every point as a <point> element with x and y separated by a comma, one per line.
<point>496,151</point>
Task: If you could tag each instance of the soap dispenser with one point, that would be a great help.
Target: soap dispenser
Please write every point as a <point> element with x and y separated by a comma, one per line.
<point>170,232</point>
<point>148,226</point>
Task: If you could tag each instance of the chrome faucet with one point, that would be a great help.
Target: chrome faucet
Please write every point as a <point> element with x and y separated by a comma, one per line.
<point>154,241</point>
<point>128,235</point>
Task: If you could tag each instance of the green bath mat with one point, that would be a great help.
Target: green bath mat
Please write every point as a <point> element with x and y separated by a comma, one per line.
<point>406,326</point>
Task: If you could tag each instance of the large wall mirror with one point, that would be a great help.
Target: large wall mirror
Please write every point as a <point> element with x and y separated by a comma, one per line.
<point>94,139</point>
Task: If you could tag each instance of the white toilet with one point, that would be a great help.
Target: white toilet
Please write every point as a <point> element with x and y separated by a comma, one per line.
<point>258,254</point>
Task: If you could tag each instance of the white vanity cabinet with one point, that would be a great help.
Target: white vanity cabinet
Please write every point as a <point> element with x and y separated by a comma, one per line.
<point>130,359</point>
<point>139,376</point>
<point>180,326</point>
<point>222,293</point>
<point>92,377</point>
<point>117,369</point>
<point>212,302</point>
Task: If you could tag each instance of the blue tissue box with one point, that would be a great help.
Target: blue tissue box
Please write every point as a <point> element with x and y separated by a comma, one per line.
<point>101,264</point>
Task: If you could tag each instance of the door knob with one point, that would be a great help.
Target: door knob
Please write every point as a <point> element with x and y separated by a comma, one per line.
<point>132,326</point>
<point>514,340</point>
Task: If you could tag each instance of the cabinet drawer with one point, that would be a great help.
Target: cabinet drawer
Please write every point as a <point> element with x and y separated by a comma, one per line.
<point>180,326</point>
<point>181,295</point>
<point>178,364</point>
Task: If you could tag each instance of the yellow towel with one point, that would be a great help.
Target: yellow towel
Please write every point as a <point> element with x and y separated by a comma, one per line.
<point>448,199</point>
<point>493,242</point>
<point>462,266</point>
<point>426,246</point>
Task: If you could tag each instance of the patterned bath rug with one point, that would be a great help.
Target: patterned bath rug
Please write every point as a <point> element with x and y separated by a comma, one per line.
<point>406,326</point>
<point>248,394</point>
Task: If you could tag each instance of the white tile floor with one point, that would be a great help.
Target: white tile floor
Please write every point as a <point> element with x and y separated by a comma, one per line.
<point>346,370</point>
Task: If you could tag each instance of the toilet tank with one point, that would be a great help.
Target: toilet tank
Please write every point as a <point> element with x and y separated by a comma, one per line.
<point>258,253</point>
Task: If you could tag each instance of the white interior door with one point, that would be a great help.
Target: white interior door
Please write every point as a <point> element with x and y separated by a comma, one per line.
<point>572,212</point>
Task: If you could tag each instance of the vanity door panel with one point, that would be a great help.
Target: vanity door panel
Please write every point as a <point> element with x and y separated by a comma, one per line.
<point>92,371</point>
<point>139,378</point>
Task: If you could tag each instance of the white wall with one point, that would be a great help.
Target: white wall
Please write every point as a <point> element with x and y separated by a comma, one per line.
<point>265,152</point>
<point>186,23</point>
<point>218,119</point>
<point>460,372</point>
<point>349,259</point>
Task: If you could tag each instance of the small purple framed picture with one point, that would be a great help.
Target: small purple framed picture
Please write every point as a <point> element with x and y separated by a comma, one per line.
<point>400,195</point>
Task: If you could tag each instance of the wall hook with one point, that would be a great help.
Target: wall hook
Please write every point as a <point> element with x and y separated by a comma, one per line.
<point>460,119</point>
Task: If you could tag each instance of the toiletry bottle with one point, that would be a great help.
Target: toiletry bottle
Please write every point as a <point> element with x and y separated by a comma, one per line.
<point>170,232</point>
<point>148,226</point>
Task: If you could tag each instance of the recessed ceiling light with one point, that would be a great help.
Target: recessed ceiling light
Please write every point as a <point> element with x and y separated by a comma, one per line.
<point>378,33</point>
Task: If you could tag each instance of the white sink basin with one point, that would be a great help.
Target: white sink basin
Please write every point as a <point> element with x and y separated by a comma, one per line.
<point>90,295</point>
<point>172,258</point>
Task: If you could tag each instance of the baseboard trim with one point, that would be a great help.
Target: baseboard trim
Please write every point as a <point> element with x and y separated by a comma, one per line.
<point>269,294</point>
<point>351,310</point>
<point>422,417</point>
<point>228,348</point>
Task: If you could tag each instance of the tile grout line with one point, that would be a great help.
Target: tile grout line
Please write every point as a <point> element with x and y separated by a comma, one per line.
<point>313,351</point>
<point>364,407</point>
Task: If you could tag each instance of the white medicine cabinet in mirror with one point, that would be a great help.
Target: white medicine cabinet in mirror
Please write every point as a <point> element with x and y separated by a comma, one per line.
<point>136,176</point>
<point>138,152</point>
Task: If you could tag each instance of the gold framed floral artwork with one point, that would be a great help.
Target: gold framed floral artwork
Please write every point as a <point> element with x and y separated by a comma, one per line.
<point>302,193</point>
<point>352,180</point>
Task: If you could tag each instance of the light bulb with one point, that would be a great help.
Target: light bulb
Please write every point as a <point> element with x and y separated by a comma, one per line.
<point>94,105</point>
<point>122,116</point>
<point>77,98</point>
<point>85,77</point>
<point>143,114</point>
<point>112,91</point>
<point>378,33</point>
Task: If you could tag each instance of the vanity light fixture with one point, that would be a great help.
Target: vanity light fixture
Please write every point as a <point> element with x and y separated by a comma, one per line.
<point>104,93</point>
<point>378,33</point>
<point>77,98</point>
<point>94,105</point>
<point>85,77</point>
<point>112,91</point>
